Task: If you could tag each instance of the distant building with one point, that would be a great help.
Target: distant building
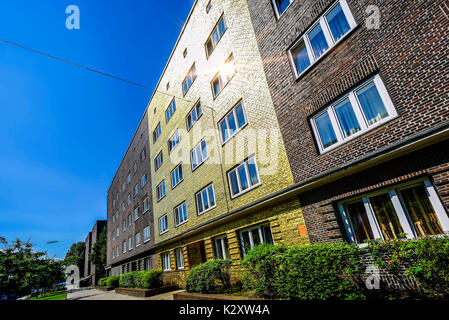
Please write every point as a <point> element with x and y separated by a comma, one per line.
<point>89,267</point>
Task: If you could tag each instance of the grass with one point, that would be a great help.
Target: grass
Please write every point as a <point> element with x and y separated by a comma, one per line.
<point>57,295</point>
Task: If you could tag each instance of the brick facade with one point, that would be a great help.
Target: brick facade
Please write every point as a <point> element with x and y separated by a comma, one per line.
<point>92,237</point>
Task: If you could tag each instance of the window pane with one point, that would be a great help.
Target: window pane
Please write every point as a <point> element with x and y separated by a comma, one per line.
<point>199,202</point>
<point>216,86</point>
<point>204,149</point>
<point>224,130</point>
<point>372,104</point>
<point>218,249</point>
<point>209,46</point>
<point>246,245</point>
<point>360,223</point>
<point>205,200</point>
<point>267,235</point>
<point>222,26</point>
<point>241,121</point>
<point>232,124</point>
<point>199,154</point>
<point>386,217</point>
<point>301,57</point>
<point>234,183</point>
<point>194,159</point>
<point>243,178</point>
<point>346,117</point>
<point>325,130</point>
<point>211,196</point>
<point>215,36</point>
<point>337,22</point>
<point>282,5</point>
<point>318,41</point>
<point>256,236</point>
<point>254,178</point>
<point>421,211</point>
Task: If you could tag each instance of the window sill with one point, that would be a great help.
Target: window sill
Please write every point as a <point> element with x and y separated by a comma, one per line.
<point>161,233</point>
<point>211,208</point>
<point>184,222</point>
<point>246,191</point>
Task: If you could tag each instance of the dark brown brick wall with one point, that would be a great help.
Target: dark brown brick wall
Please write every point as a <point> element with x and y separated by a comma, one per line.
<point>410,51</point>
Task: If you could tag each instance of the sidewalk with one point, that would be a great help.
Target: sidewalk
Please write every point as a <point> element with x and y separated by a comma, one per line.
<point>94,294</point>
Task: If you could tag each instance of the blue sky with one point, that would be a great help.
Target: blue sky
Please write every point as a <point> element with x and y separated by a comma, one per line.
<point>64,130</point>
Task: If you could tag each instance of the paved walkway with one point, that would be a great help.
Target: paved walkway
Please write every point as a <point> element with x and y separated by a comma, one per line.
<point>94,294</point>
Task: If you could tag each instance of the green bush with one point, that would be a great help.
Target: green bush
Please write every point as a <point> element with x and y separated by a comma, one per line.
<point>314,272</point>
<point>149,279</point>
<point>130,279</point>
<point>102,282</point>
<point>206,277</point>
<point>424,260</point>
<point>113,281</point>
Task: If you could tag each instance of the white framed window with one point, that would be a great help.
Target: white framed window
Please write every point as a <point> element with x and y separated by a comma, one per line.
<point>221,248</point>
<point>176,176</point>
<point>113,218</point>
<point>222,78</point>
<point>143,155</point>
<point>123,206</point>
<point>188,80</point>
<point>179,259</point>
<point>173,141</point>
<point>170,110</point>
<point>410,209</point>
<point>130,243</point>
<point>124,246</point>
<point>113,203</point>
<point>124,225</point>
<point>117,232</point>
<point>244,177</point>
<point>205,199</point>
<point>128,179</point>
<point>123,186</point>
<point>136,189</point>
<point>137,239</point>
<point>145,205</point>
<point>194,115</point>
<point>130,220</point>
<point>251,237</point>
<point>160,191</point>
<point>148,264</point>
<point>199,154</point>
<point>280,6</point>
<point>143,180</point>
<point>113,235</point>
<point>180,213</point>
<point>158,161</point>
<point>216,35</point>
<point>136,214</point>
<point>361,110</point>
<point>166,261</point>
<point>146,234</point>
<point>117,251</point>
<point>232,123</point>
<point>324,34</point>
<point>163,224</point>
<point>129,198</point>
<point>157,132</point>
<point>113,253</point>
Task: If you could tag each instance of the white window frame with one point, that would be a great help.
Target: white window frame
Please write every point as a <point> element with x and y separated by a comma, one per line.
<point>219,241</point>
<point>130,220</point>
<point>136,214</point>
<point>165,217</point>
<point>130,243</point>
<point>173,142</point>
<point>129,199</point>
<point>225,119</point>
<point>178,168</point>
<point>168,112</point>
<point>179,259</point>
<point>158,161</point>
<point>128,179</point>
<point>198,145</point>
<point>235,169</point>
<point>143,180</point>
<point>159,195</point>
<point>219,76</point>
<point>195,108</point>
<point>138,239</point>
<point>177,217</point>
<point>190,75</point>
<point>157,132</point>
<point>124,222</point>
<point>166,260</point>
<point>360,115</point>
<point>146,206</point>
<point>136,189</point>
<point>399,208</point>
<point>327,33</point>
<point>211,36</point>
<point>251,240</point>
<point>211,185</point>
<point>124,246</point>
<point>276,10</point>
<point>146,231</point>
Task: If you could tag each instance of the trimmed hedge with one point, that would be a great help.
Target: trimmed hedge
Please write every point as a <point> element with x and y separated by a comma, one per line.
<point>112,281</point>
<point>208,276</point>
<point>141,279</point>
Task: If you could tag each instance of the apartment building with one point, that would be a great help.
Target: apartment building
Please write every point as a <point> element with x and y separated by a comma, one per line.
<point>360,90</point>
<point>130,211</point>
<point>90,274</point>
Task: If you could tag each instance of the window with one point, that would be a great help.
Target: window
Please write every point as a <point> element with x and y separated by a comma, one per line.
<point>184,54</point>
<point>170,110</point>
<point>254,236</point>
<point>129,178</point>
<point>410,209</point>
<point>129,199</point>
<point>173,142</point>
<point>280,6</point>
<point>116,196</point>
<point>130,244</point>
<point>163,224</point>
<point>216,35</point>
<point>176,176</point>
<point>361,110</point>
<point>180,213</point>
<point>158,161</point>
<point>223,77</point>
<point>148,265</point>
<point>124,225</point>
<point>221,248</point>
<point>179,258</point>
<point>232,123</point>
<point>123,186</point>
<point>143,180</point>
<point>324,34</point>
<point>146,234</point>
<point>123,206</point>
<point>160,190</point>
<point>124,246</point>
<point>143,155</point>
<point>136,189</point>
<point>113,253</point>
<point>145,205</point>
<point>194,115</point>
<point>244,177</point>
<point>199,154</point>
<point>135,167</point>
<point>117,232</point>
<point>166,261</point>
<point>137,239</point>
<point>130,220</point>
<point>208,6</point>
<point>205,199</point>
<point>136,214</point>
<point>157,132</point>
<point>188,80</point>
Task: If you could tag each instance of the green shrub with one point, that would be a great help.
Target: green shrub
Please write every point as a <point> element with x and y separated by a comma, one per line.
<point>149,279</point>
<point>314,272</point>
<point>424,260</point>
<point>206,277</point>
<point>102,282</point>
<point>113,281</point>
<point>130,279</point>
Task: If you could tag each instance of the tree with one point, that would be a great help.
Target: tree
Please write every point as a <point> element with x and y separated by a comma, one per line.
<point>76,255</point>
<point>98,255</point>
<point>22,269</point>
